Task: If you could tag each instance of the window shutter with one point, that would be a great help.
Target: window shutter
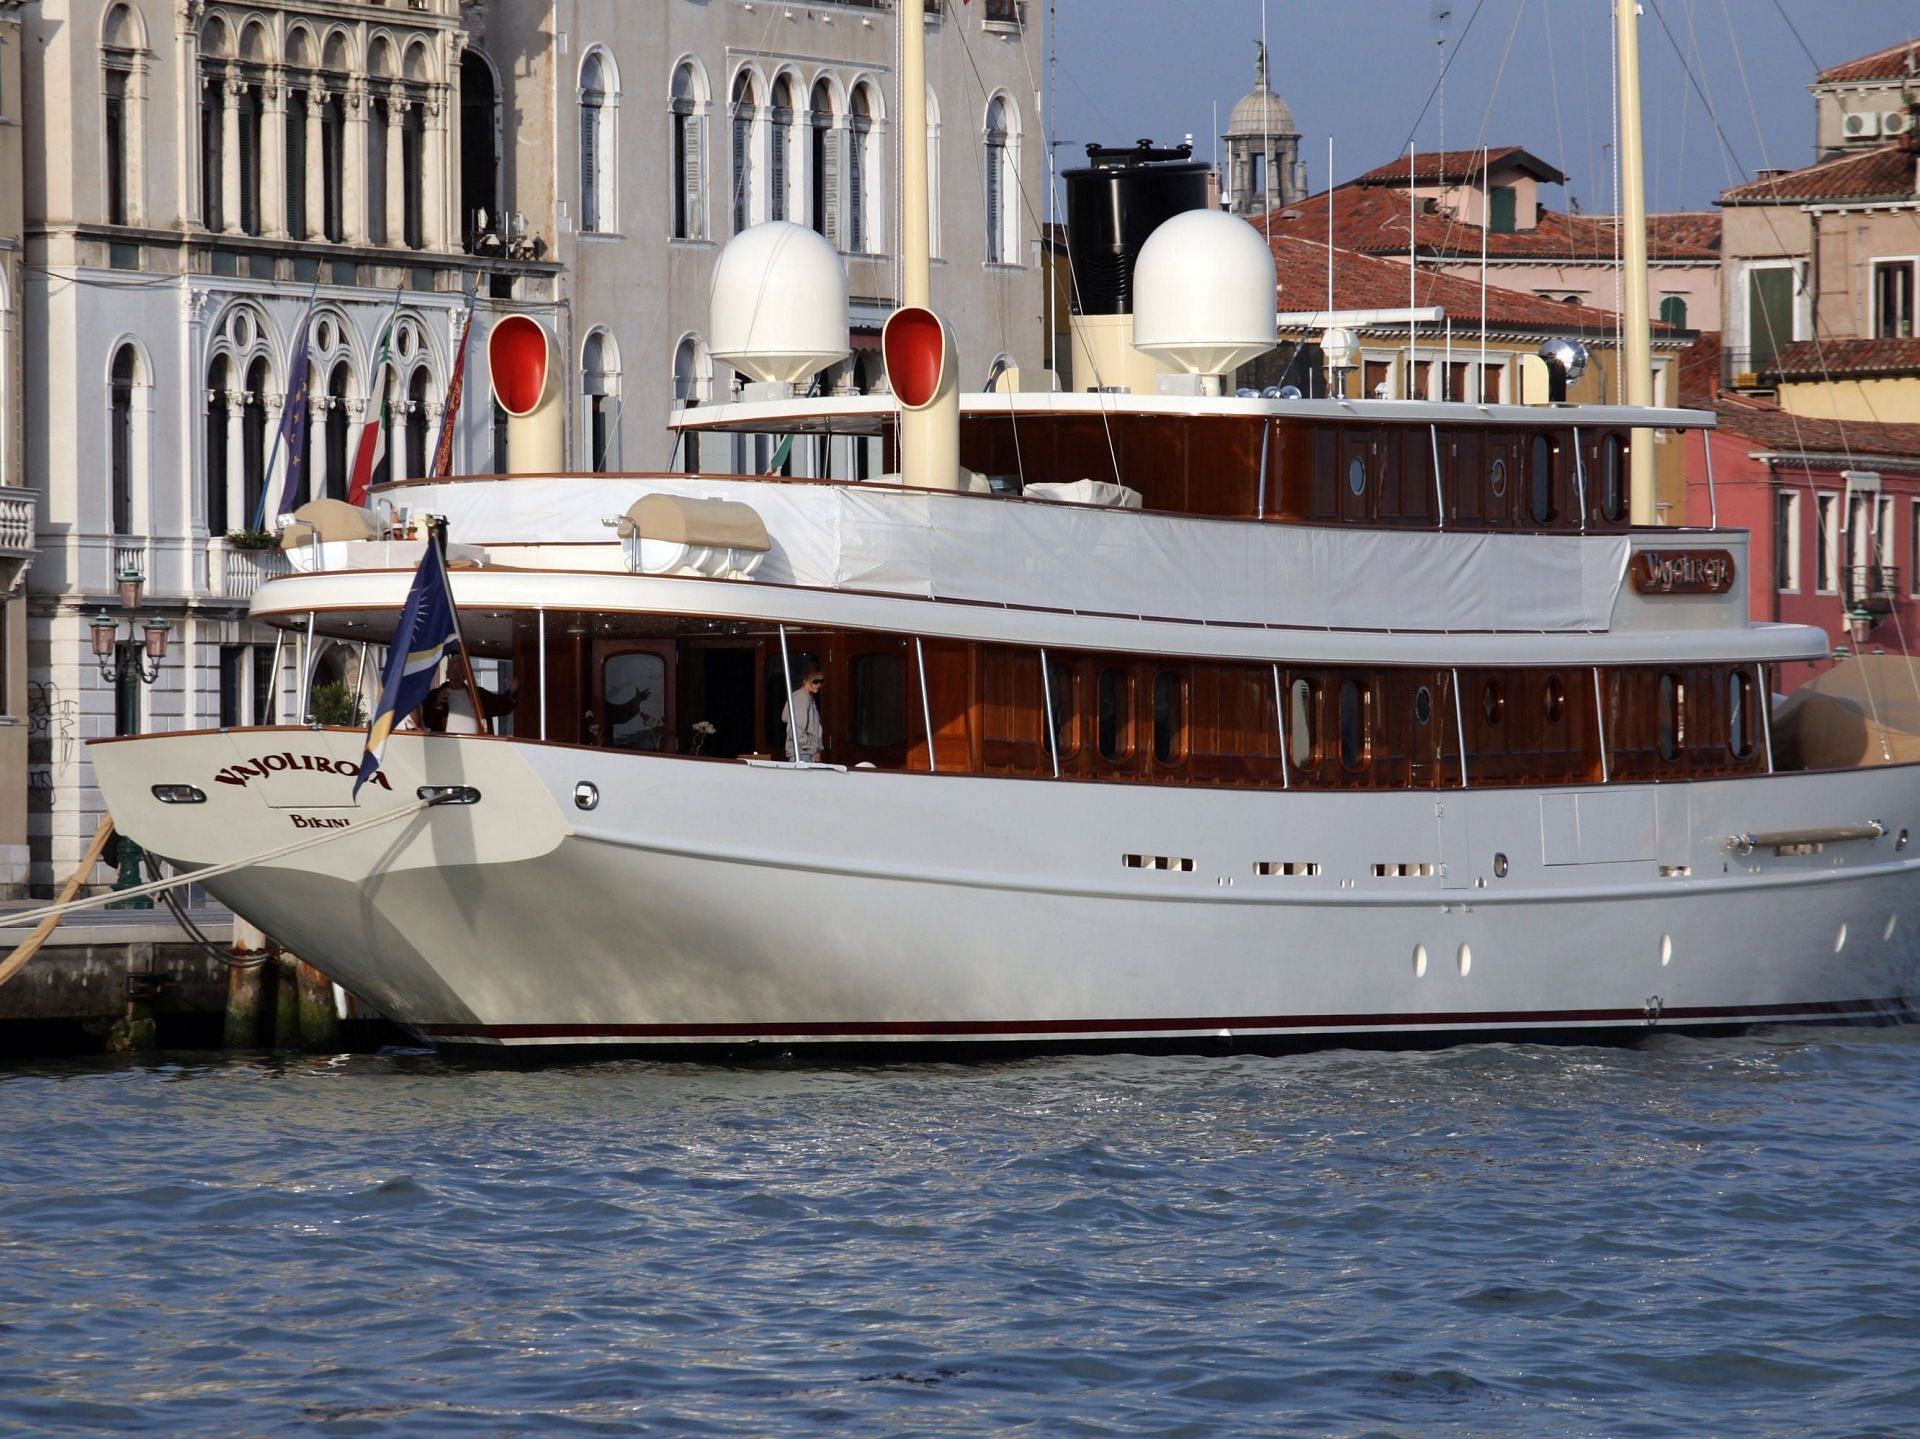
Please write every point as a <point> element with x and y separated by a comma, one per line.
<point>589,166</point>
<point>857,192</point>
<point>777,169</point>
<point>742,130</point>
<point>994,152</point>
<point>696,181</point>
<point>832,188</point>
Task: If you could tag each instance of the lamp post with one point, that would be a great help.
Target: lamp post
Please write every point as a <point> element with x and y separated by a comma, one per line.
<point>106,634</point>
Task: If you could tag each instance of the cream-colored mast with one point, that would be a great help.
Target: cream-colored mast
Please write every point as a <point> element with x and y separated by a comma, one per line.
<point>915,248</point>
<point>1637,363</point>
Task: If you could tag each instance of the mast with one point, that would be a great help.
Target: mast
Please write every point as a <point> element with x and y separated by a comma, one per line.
<point>916,286</point>
<point>1638,361</point>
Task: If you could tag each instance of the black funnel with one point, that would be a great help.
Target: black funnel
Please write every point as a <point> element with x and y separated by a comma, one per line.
<point>1122,197</point>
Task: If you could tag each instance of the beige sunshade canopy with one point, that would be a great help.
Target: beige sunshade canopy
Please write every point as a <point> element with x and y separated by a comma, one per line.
<point>721,524</point>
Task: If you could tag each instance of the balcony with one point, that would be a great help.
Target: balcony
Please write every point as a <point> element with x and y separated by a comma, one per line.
<point>235,574</point>
<point>1869,590</point>
<point>16,534</point>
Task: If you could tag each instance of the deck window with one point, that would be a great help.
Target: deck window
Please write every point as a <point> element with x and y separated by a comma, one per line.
<point>1613,487</point>
<point>1060,688</point>
<point>1303,708</point>
<point>1740,714</point>
<point>1116,714</point>
<point>1169,722</point>
<point>1355,746</point>
<point>1673,733</point>
<point>1540,481</point>
<point>877,684</point>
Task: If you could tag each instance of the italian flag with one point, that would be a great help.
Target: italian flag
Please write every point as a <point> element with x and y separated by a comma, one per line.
<point>373,435</point>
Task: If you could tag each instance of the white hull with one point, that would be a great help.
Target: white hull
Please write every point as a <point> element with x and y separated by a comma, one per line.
<point>721,904</point>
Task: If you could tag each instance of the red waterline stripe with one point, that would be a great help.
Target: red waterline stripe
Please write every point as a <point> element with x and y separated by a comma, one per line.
<point>893,1029</point>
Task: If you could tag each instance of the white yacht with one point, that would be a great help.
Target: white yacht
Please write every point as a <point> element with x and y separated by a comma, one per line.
<point>1153,715</point>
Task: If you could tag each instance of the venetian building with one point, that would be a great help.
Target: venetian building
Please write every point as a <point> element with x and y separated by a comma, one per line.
<point>1264,169</point>
<point>208,174</point>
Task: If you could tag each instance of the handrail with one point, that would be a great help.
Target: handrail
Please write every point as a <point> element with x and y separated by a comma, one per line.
<point>1784,839</point>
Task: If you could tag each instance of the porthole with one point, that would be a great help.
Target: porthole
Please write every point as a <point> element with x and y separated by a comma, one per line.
<point>1497,478</point>
<point>1357,475</point>
<point>1672,735</point>
<point>1540,481</point>
<point>1739,703</point>
<point>1353,725</point>
<point>1116,705</point>
<point>1500,866</point>
<point>1493,704</point>
<point>1465,960</point>
<point>1302,707</point>
<point>1423,704</point>
<point>1613,490</point>
<point>1419,961</point>
<point>1554,699</point>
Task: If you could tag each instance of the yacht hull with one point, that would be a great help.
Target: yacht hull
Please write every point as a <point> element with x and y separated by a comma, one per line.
<point>718,904</point>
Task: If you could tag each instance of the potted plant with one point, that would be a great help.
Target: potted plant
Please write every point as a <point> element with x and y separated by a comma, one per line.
<point>253,540</point>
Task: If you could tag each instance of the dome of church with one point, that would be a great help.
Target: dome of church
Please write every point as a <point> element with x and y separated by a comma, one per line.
<point>1261,112</point>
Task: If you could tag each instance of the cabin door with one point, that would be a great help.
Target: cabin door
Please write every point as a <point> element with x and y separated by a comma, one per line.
<point>632,705</point>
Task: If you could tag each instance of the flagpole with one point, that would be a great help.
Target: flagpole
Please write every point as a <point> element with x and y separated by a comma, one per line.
<point>437,537</point>
<point>450,411</point>
<point>266,479</point>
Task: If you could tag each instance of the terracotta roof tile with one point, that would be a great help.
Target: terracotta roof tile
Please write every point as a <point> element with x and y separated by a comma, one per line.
<point>1369,282</point>
<point>1893,63</point>
<point>1839,359</point>
<point>1373,219</point>
<point>1888,172</point>
<point>1454,167</point>
<point>1775,429</point>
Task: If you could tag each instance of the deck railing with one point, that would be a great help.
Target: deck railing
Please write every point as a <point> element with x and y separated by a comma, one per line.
<point>1870,589</point>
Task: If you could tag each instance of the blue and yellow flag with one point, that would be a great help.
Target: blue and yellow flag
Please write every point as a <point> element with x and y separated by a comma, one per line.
<point>427,631</point>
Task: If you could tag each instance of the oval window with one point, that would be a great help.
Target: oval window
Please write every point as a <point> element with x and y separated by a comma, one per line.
<point>1555,699</point>
<point>1166,717</point>
<point>1301,740</point>
<point>1357,475</point>
<point>1493,704</point>
<point>1497,478</point>
<point>1739,704</point>
<point>1353,725</point>
<point>1423,704</point>
<point>1672,734</point>
<point>1613,488</point>
<point>1540,481</point>
<point>1060,691</point>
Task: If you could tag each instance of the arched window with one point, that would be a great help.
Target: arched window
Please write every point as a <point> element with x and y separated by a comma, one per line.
<point>333,163</point>
<point>418,388</point>
<point>692,383</point>
<point>413,175</point>
<point>749,200</point>
<point>215,478</point>
<point>1003,182</point>
<point>480,207</point>
<point>251,114</point>
<point>684,120</point>
<point>862,212</point>
<point>123,62</point>
<point>120,436</point>
<point>253,442</point>
<point>824,162</point>
<point>379,121</point>
<point>338,475</point>
<point>212,124</point>
<point>1673,311</point>
<point>783,203</point>
<point>594,143</point>
<point>600,388</point>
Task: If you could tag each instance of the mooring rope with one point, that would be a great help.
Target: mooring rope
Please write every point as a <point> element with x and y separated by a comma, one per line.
<point>94,901</point>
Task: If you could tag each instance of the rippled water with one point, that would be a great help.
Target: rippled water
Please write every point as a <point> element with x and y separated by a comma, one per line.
<point>1686,1238</point>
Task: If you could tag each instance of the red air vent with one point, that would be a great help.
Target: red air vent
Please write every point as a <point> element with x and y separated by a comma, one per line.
<point>914,347</point>
<point>517,352</point>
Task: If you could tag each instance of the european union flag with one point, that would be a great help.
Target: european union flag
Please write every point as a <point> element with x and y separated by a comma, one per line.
<point>427,632</point>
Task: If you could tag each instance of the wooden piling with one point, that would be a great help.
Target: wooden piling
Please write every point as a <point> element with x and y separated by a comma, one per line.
<point>286,1002</point>
<point>319,1022</point>
<point>245,988</point>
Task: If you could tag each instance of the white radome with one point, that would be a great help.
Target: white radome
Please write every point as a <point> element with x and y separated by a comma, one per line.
<point>779,303</point>
<point>1203,294</point>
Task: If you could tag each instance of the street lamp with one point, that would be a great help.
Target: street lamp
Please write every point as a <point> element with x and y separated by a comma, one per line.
<point>106,634</point>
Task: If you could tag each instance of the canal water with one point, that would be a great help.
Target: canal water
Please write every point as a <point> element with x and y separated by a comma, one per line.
<point>1683,1238</point>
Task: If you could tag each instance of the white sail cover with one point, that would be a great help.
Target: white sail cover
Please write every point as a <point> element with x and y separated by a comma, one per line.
<point>1082,558</point>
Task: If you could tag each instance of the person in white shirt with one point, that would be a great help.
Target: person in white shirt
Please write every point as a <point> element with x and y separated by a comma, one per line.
<point>805,739</point>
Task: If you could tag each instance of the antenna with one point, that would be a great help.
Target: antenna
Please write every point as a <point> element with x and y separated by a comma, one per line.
<point>1413,300</point>
<point>1329,225</point>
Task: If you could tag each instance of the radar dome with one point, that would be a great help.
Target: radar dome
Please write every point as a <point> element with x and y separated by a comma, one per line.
<point>1203,293</point>
<point>779,303</point>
